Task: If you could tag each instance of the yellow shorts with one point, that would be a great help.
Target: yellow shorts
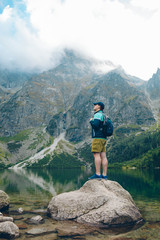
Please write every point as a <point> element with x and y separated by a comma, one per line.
<point>99,145</point>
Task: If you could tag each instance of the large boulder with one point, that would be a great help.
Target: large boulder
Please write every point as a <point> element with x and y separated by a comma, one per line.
<point>8,230</point>
<point>4,200</point>
<point>104,203</point>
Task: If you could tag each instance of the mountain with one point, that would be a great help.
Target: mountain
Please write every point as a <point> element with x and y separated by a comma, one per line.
<point>152,91</point>
<point>48,116</point>
<point>153,86</point>
<point>3,94</point>
<point>11,82</point>
<point>11,79</point>
<point>47,94</point>
<point>124,104</point>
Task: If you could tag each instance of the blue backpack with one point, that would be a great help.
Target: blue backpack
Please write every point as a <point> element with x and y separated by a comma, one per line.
<point>107,126</point>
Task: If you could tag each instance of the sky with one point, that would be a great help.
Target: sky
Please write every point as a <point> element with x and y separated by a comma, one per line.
<point>33,33</point>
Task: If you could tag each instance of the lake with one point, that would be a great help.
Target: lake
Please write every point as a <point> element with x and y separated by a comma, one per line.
<point>33,189</point>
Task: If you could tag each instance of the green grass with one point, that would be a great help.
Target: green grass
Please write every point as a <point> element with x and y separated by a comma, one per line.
<point>63,160</point>
<point>2,153</point>
<point>21,136</point>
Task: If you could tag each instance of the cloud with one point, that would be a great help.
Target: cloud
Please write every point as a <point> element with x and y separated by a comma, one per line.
<point>125,32</point>
<point>20,46</point>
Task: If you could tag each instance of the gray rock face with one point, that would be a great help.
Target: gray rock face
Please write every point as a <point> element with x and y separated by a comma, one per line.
<point>45,95</point>
<point>4,200</point>
<point>9,230</point>
<point>63,93</point>
<point>104,203</point>
<point>124,103</point>
<point>13,79</point>
<point>153,86</point>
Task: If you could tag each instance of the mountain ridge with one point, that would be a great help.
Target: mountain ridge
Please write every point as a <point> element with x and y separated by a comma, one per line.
<point>60,100</point>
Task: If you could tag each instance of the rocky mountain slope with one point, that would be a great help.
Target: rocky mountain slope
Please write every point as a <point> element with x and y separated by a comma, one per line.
<point>4,94</point>
<point>125,105</point>
<point>10,79</point>
<point>153,86</point>
<point>61,101</point>
<point>48,94</point>
<point>152,91</point>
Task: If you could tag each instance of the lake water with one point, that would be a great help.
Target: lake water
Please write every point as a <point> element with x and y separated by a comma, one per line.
<point>33,189</point>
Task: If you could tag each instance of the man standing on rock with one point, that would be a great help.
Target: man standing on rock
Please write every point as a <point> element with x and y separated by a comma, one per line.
<point>99,142</point>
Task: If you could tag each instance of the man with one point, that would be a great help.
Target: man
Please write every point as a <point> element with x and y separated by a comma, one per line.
<point>99,142</point>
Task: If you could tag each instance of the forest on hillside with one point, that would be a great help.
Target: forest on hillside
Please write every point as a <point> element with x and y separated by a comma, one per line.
<point>141,150</point>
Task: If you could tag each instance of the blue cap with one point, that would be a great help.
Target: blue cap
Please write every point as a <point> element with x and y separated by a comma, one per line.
<point>101,104</point>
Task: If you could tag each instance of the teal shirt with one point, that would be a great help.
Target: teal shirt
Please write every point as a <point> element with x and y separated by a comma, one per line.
<point>98,116</point>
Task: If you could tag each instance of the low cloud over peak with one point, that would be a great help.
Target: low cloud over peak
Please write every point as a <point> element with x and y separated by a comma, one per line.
<point>34,33</point>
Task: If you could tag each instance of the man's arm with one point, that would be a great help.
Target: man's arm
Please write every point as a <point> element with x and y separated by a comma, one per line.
<point>95,123</point>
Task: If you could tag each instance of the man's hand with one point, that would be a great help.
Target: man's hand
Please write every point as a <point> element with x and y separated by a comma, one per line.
<point>91,119</point>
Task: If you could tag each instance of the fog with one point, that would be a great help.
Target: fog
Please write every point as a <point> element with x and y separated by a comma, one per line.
<point>33,33</point>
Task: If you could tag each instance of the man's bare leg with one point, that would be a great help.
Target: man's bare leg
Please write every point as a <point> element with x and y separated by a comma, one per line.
<point>104,163</point>
<point>97,160</point>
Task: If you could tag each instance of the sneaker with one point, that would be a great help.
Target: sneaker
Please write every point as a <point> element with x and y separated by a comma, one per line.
<point>104,177</point>
<point>95,176</point>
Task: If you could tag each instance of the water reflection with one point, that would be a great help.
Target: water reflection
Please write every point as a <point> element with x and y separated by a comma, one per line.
<point>140,183</point>
<point>41,181</point>
<point>33,189</point>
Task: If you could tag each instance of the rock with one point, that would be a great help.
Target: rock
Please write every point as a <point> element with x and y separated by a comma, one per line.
<point>8,230</point>
<point>35,220</point>
<point>4,219</point>
<point>72,230</point>
<point>40,231</point>
<point>101,203</point>
<point>22,226</point>
<point>20,210</point>
<point>4,200</point>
